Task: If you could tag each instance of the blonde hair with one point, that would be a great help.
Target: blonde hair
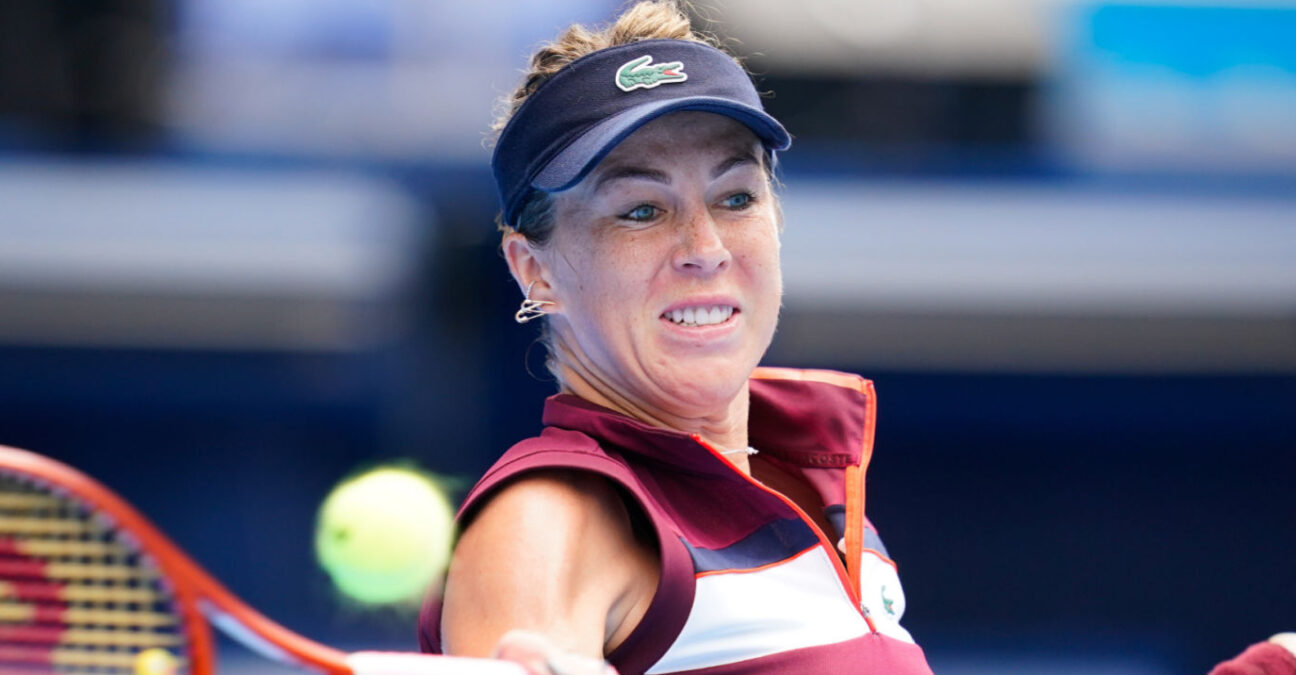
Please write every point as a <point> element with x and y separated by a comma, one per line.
<point>644,20</point>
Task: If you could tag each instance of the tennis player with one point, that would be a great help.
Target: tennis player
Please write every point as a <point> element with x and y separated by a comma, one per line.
<point>682,511</point>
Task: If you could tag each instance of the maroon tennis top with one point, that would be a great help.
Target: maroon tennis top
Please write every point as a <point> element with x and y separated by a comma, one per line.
<point>749,583</point>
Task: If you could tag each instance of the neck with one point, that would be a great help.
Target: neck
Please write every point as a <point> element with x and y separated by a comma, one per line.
<point>740,458</point>
<point>724,427</point>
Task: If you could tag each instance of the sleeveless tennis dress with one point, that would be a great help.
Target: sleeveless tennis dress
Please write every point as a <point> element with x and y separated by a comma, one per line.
<point>749,584</point>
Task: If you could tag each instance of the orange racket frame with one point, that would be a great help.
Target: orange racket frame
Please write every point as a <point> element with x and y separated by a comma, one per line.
<point>203,600</point>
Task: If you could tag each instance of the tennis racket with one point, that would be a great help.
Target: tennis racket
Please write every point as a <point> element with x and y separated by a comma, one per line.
<point>88,585</point>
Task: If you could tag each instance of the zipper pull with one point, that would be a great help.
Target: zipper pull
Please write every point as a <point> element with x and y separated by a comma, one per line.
<point>868,617</point>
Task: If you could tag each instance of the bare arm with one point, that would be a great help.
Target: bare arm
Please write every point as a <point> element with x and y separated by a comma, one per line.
<point>553,553</point>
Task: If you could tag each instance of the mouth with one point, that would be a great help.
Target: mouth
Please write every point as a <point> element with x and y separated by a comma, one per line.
<point>704,315</point>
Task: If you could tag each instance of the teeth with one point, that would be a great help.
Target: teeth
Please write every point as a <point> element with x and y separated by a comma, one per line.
<point>700,316</point>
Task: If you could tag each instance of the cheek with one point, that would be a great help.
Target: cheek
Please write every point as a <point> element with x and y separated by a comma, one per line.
<point>607,282</point>
<point>636,259</point>
<point>761,252</point>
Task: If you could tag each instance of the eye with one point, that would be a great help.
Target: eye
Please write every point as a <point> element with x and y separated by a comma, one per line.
<point>737,201</point>
<point>642,213</point>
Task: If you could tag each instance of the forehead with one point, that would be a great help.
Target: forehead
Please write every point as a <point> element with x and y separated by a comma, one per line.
<point>681,134</point>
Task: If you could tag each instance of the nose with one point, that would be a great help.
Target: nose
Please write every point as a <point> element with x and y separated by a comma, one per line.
<point>702,249</point>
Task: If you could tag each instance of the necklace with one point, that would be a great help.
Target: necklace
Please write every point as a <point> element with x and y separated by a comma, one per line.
<point>749,450</point>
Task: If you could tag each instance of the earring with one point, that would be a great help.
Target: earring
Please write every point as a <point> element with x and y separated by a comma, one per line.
<point>531,309</point>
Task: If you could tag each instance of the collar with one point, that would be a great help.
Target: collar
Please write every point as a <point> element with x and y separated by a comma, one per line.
<point>810,418</point>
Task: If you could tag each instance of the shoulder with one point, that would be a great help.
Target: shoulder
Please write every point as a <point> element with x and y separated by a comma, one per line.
<point>553,520</point>
<point>552,454</point>
<point>553,550</point>
<point>563,495</point>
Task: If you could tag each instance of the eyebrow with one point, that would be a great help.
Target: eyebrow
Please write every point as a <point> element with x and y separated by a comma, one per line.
<point>737,160</point>
<point>623,172</point>
<point>631,171</point>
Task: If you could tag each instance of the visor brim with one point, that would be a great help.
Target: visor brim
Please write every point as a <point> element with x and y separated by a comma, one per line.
<point>574,162</point>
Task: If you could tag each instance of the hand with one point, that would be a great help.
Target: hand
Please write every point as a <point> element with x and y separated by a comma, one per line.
<point>540,656</point>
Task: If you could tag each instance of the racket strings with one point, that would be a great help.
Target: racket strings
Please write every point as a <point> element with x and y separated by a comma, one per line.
<point>75,597</point>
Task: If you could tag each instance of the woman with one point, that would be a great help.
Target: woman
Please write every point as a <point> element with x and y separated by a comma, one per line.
<point>682,510</point>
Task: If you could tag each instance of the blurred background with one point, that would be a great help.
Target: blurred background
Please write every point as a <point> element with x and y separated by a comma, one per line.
<point>246,248</point>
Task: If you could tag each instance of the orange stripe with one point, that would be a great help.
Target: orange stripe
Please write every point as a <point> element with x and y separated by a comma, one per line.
<point>855,490</point>
<point>855,519</point>
<point>747,570</point>
<point>843,380</point>
<point>851,592</point>
<point>854,524</point>
<point>878,554</point>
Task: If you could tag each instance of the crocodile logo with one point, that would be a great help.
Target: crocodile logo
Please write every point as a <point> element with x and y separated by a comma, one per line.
<point>638,74</point>
<point>887,603</point>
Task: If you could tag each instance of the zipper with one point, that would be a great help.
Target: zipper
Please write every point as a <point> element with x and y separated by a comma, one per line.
<point>852,590</point>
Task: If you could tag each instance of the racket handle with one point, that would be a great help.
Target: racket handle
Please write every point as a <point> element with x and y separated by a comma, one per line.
<point>399,663</point>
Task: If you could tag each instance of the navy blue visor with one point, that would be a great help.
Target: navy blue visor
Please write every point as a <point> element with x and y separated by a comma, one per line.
<point>577,116</point>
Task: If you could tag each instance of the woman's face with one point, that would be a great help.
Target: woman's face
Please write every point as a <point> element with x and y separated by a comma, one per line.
<point>664,267</point>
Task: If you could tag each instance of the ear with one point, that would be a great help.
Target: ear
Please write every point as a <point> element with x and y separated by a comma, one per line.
<point>527,266</point>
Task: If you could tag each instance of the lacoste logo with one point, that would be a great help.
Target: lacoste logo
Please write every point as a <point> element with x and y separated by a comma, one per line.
<point>887,603</point>
<point>637,74</point>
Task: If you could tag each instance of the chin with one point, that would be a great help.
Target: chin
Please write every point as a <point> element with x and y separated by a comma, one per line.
<point>709,388</point>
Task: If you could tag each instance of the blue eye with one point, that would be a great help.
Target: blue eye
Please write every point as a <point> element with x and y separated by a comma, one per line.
<point>641,213</point>
<point>739,200</point>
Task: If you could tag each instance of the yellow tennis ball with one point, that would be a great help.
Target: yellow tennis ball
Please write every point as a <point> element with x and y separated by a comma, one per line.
<point>156,661</point>
<point>384,536</point>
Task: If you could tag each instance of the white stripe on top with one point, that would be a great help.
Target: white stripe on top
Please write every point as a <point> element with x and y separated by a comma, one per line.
<point>744,615</point>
